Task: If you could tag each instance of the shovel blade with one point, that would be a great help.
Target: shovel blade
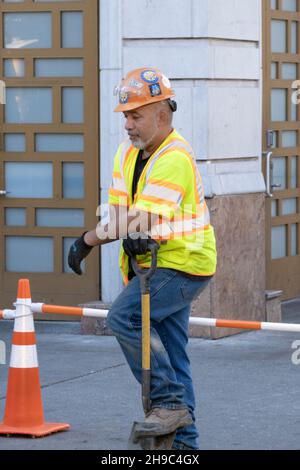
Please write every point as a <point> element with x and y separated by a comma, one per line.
<point>163,442</point>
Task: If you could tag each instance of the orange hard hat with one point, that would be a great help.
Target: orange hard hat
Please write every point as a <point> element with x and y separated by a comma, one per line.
<point>141,87</point>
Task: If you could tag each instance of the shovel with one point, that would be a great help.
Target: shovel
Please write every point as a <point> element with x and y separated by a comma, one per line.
<point>163,442</point>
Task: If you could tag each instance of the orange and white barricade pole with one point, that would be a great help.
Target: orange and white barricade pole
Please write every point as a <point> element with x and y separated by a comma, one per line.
<point>24,408</point>
<point>193,321</point>
<point>7,314</point>
<point>245,325</point>
<point>75,311</point>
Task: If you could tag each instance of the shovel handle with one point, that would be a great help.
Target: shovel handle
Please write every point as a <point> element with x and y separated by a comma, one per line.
<point>145,274</point>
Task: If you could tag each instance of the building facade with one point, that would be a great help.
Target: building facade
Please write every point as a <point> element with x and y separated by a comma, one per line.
<point>234,68</point>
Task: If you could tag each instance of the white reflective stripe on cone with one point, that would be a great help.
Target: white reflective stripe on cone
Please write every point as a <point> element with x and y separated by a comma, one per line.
<point>22,302</point>
<point>23,357</point>
<point>24,318</point>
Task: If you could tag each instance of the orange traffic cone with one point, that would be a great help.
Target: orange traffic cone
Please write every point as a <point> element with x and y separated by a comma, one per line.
<point>24,408</point>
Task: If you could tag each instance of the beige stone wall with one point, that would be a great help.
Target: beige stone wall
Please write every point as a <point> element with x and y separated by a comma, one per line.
<point>238,288</point>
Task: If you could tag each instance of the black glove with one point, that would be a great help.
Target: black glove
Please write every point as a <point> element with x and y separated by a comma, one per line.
<point>137,244</point>
<point>78,251</point>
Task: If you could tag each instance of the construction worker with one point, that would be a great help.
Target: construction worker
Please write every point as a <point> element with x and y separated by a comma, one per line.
<point>158,190</point>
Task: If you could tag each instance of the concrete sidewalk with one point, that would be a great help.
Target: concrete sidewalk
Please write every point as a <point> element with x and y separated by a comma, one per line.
<point>247,389</point>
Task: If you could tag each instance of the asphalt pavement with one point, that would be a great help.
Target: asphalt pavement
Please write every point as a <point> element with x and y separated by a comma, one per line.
<point>247,389</point>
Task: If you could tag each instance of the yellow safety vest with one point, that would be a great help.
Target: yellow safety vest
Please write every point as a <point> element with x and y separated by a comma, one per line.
<point>171,187</point>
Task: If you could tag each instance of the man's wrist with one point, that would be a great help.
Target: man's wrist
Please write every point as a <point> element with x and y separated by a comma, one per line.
<point>90,240</point>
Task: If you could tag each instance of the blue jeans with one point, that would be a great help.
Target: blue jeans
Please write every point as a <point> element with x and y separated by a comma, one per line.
<point>171,294</point>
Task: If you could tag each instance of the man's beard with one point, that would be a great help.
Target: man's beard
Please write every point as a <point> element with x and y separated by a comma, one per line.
<point>141,144</point>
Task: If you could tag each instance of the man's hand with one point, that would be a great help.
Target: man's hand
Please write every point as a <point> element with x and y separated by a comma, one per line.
<point>137,244</point>
<point>78,251</point>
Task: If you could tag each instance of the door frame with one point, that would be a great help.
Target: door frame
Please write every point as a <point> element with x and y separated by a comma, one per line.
<point>56,287</point>
<point>284,273</point>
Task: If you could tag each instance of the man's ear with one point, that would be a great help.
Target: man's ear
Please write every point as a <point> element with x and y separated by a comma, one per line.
<point>163,117</point>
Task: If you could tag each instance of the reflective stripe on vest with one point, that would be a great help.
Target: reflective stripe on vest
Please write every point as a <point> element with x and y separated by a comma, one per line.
<point>118,183</point>
<point>126,147</point>
<point>170,230</point>
<point>161,192</point>
<point>180,145</point>
<point>118,186</point>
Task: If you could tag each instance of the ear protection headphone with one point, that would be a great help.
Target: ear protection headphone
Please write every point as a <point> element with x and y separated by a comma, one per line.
<point>173,105</point>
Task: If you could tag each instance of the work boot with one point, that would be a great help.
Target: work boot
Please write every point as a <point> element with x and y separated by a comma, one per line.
<point>160,421</point>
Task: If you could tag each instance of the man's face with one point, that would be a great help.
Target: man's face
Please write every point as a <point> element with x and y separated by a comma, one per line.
<point>142,125</point>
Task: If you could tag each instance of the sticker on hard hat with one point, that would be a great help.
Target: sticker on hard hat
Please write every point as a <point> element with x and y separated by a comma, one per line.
<point>135,84</point>
<point>149,76</point>
<point>123,97</point>
<point>166,82</point>
<point>155,89</point>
